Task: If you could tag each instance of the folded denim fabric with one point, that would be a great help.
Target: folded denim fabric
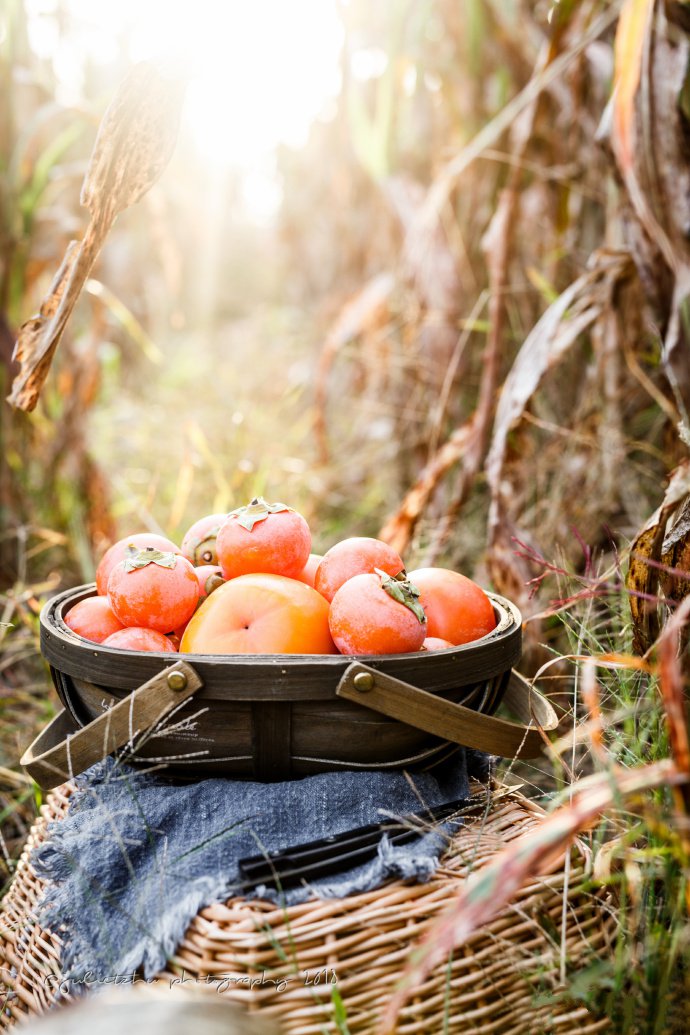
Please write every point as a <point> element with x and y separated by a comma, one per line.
<point>137,857</point>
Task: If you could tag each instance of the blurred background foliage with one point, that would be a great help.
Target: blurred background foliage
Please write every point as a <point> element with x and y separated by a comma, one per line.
<point>324,346</point>
<point>420,269</point>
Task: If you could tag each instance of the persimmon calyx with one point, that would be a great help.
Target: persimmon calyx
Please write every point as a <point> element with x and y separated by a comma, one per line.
<point>140,558</point>
<point>207,553</point>
<point>257,510</point>
<point>405,592</point>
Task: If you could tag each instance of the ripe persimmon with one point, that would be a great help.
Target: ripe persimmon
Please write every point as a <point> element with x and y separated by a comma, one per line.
<point>376,614</point>
<point>141,639</point>
<point>308,572</point>
<point>153,590</point>
<point>210,577</point>
<point>263,537</point>
<point>355,556</point>
<point>457,609</point>
<point>260,614</point>
<point>436,643</point>
<point>93,619</point>
<point>199,541</point>
<point>118,551</point>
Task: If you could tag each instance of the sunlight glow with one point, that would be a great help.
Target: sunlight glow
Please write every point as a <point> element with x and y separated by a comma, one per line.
<point>259,73</point>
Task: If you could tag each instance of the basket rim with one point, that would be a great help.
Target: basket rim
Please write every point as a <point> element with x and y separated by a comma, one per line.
<point>509,621</point>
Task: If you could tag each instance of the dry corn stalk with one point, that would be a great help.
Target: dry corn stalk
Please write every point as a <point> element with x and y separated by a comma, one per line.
<point>134,144</point>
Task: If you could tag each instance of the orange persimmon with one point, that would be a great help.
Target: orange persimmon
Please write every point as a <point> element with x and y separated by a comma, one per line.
<point>141,639</point>
<point>263,537</point>
<point>457,609</point>
<point>356,556</point>
<point>153,590</point>
<point>260,613</point>
<point>376,614</point>
<point>130,545</point>
<point>93,619</point>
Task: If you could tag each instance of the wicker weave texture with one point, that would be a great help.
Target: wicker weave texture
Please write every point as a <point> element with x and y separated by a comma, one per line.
<point>284,963</point>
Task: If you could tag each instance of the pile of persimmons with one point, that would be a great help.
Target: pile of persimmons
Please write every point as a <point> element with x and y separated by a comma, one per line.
<point>246,583</point>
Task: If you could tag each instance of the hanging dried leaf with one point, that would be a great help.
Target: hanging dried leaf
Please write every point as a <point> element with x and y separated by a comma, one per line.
<point>642,580</point>
<point>468,442</point>
<point>649,139</point>
<point>631,33</point>
<point>573,313</point>
<point>675,555</point>
<point>672,683</point>
<point>134,144</point>
<point>398,530</point>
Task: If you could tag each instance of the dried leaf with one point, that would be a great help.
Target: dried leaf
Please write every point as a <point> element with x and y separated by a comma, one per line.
<point>649,140</point>
<point>134,144</point>
<point>672,684</point>
<point>491,133</point>
<point>631,33</point>
<point>642,579</point>
<point>675,555</point>
<point>398,530</point>
<point>632,39</point>
<point>559,328</point>
<point>492,888</point>
<point>468,442</point>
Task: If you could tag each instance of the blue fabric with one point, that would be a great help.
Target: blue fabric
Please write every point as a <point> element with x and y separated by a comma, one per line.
<point>136,858</point>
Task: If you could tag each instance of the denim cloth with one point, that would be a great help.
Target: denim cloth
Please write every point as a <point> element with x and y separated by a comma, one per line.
<point>136,857</point>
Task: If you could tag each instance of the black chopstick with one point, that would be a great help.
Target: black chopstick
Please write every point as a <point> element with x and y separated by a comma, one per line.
<point>341,851</point>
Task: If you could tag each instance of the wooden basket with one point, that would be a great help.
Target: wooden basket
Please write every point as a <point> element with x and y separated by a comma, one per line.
<point>281,962</point>
<point>273,717</point>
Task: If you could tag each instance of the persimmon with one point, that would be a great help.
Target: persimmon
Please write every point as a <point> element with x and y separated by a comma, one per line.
<point>436,643</point>
<point>356,556</point>
<point>210,577</point>
<point>199,541</point>
<point>308,572</point>
<point>119,550</point>
<point>141,639</point>
<point>153,590</point>
<point>260,614</point>
<point>93,619</point>
<point>263,537</point>
<point>457,609</point>
<point>376,614</point>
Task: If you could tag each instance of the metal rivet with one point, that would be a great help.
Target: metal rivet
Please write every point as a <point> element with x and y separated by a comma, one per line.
<point>363,681</point>
<point>177,680</point>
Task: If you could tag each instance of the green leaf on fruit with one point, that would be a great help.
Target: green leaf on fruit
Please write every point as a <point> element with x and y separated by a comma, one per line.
<point>140,558</point>
<point>257,510</point>
<point>405,592</point>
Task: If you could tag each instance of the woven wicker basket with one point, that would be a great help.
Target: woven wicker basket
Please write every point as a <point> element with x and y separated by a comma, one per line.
<point>495,983</point>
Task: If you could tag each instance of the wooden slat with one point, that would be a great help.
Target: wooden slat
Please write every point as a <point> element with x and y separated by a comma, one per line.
<point>272,740</point>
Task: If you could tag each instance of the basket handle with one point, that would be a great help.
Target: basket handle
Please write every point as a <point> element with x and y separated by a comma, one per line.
<point>61,751</point>
<point>450,721</point>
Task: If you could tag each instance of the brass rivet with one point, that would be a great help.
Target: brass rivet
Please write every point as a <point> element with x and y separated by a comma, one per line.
<point>177,680</point>
<point>363,681</point>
